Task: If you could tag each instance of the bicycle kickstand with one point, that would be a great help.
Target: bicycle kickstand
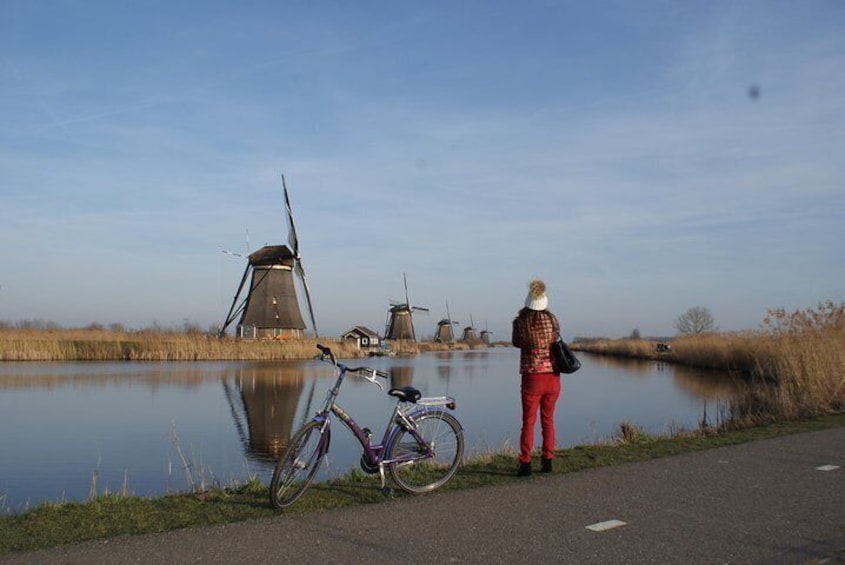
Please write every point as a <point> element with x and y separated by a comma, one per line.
<point>386,491</point>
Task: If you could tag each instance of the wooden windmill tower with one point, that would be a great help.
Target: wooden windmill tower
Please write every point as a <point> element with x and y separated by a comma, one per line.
<point>444,332</point>
<point>270,308</point>
<point>485,334</point>
<point>400,323</point>
<point>469,332</point>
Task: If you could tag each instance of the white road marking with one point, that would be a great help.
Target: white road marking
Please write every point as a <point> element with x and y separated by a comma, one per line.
<point>606,525</point>
<point>827,468</point>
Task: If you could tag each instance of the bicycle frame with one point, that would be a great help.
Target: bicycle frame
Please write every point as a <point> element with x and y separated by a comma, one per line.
<point>400,419</point>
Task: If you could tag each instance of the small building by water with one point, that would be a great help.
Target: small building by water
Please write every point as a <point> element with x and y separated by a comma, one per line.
<point>365,338</point>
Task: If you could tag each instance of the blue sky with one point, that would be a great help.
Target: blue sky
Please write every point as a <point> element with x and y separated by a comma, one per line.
<point>610,148</point>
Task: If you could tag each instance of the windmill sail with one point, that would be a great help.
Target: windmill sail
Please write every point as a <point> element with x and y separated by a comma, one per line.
<point>293,240</point>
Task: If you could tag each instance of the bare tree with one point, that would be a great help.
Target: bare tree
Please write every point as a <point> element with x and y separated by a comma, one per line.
<point>635,334</point>
<point>696,320</point>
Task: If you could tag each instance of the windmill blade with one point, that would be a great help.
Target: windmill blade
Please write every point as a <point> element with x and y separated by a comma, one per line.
<point>232,253</point>
<point>292,239</point>
<point>301,272</point>
<point>420,308</point>
<point>407,300</point>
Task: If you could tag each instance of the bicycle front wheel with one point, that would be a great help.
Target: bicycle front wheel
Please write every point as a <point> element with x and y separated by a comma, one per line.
<point>419,467</point>
<point>296,468</point>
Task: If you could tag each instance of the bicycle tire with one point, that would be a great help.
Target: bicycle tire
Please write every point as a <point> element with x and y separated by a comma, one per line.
<point>296,468</point>
<point>439,430</point>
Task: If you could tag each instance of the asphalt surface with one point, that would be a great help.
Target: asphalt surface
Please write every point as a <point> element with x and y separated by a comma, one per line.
<point>766,502</point>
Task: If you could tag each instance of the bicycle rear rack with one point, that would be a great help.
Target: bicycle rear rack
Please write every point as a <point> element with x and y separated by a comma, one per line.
<point>446,401</point>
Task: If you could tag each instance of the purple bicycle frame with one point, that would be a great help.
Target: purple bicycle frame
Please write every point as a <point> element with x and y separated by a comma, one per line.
<point>374,452</point>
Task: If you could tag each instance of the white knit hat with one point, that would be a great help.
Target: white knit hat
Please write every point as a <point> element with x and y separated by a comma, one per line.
<point>536,299</point>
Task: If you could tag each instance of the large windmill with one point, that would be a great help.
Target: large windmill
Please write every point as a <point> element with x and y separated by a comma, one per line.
<point>444,332</point>
<point>270,308</point>
<point>400,323</point>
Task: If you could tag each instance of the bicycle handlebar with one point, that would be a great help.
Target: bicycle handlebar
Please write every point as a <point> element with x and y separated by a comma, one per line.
<point>373,373</point>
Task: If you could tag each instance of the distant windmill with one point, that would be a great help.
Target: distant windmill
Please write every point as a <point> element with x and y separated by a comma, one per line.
<point>444,333</point>
<point>270,307</point>
<point>400,323</point>
<point>469,331</point>
<point>485,334</point>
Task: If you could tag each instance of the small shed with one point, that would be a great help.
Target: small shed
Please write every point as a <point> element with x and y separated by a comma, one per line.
<point>364,337</point>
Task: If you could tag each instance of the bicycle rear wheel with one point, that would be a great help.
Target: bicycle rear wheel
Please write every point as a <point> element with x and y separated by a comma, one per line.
<point>296,468</point>
<point>423,467</point>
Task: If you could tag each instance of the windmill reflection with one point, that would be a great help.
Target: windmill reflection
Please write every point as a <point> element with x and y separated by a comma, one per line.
<point>401,376</point>
<point>264,402</point>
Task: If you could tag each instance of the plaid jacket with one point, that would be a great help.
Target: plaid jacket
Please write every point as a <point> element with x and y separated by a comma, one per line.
<point>533,332</point>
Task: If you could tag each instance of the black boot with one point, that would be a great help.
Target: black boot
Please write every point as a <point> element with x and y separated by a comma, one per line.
<point>524,470</point>
<point>546,465</point>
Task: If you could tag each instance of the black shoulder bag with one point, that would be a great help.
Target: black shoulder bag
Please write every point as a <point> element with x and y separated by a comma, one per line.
<point>563,360</point>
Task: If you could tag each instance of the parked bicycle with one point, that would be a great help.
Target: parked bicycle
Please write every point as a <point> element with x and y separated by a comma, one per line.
<point>421,447</point>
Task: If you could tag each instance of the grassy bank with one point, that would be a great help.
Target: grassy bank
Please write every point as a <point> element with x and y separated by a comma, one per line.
<point>793,367</point>
<point>109,516</point>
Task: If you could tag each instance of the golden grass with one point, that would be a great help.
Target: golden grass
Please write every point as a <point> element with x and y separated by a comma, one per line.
<point>793,367</point>
<point>101,344</point>
<point>150,345</point>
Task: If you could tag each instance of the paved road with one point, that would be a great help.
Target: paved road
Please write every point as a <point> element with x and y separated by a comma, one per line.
<point>765,502</point>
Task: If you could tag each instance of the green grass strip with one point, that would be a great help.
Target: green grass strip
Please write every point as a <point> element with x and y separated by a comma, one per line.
<point>50,525</point>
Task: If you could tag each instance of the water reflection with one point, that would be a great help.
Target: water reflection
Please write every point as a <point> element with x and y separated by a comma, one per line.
<point>230,413</point>
<point>401,375</point>
<point>702,383</point>
<point>634,367</point>
<point>264,401</point>
<point>268,403</point>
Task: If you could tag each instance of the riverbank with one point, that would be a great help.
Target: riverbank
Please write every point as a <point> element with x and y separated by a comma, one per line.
<point>51,525</point>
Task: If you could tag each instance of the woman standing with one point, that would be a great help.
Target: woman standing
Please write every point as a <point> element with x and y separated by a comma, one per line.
<point>534,330</point>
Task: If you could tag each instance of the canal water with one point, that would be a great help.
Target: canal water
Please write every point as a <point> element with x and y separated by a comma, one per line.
<point>72,429</point>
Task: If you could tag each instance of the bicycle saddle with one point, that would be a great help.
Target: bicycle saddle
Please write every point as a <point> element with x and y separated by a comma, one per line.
<point>405,394</point>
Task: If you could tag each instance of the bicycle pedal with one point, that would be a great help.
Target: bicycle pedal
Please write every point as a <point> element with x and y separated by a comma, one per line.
<point>388,493</point>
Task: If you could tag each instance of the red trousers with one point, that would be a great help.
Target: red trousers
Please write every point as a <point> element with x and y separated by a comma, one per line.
<point>539,390</point>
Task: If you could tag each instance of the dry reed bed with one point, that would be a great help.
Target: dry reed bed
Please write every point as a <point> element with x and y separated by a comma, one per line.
<point>793,367</point>
<point>149,345</point>
<point>104,345</point>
